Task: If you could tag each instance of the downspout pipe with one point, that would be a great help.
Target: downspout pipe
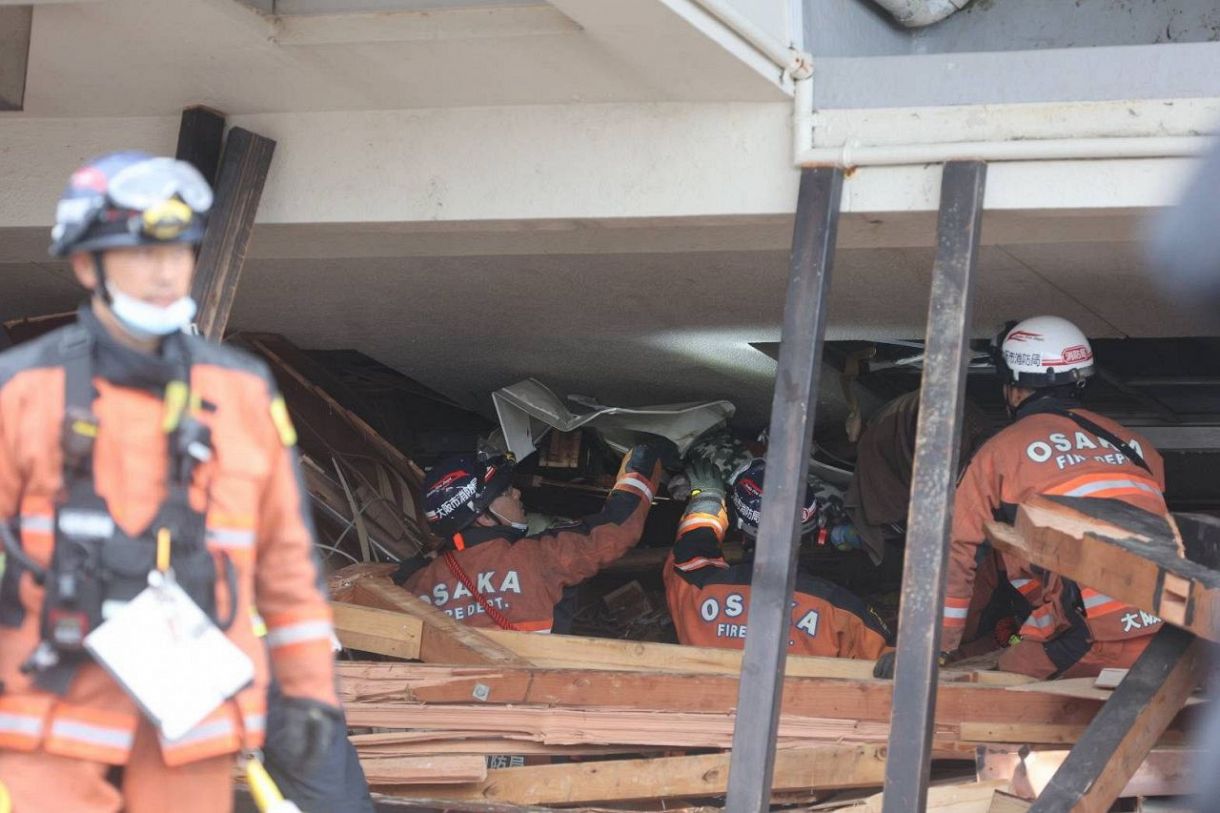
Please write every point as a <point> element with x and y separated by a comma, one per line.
<point>1047,149</point>
<point>794,62</point>
<point>919,13</point>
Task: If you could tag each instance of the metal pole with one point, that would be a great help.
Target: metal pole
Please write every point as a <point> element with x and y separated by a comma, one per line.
<point>947,355</point>
<point>792,411</point>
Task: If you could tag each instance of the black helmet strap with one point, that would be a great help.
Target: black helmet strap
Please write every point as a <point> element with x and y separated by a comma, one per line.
<point>99,268</point>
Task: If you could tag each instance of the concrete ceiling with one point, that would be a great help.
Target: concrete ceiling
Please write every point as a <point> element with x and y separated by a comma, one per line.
<point>154,57</point>
<point>641,327</point>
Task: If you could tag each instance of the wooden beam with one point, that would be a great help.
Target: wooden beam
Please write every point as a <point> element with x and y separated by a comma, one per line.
<point>329,430</point>
<point>832,767</point>
<point>1007,803</point>
<point>239,186</point>
<point>964,797</point>
<point>288,361</point>
<point>442,639</point>
<point>1118,550</point>
<point>1039,733</point>
<point>1164,772</point>
<point>830,698</point>
<point>16,24</point>
<point>424,743</point>
<point>449,769</point>
<point>604,726</point>
<point>561,651</point>
<point>378,631</point>
<point>607,653</point>
<point>201,135</point>
<point>1200,538</point>
<point>1120,737</point>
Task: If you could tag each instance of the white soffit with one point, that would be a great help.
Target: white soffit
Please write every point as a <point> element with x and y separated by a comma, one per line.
<point>288,7</point>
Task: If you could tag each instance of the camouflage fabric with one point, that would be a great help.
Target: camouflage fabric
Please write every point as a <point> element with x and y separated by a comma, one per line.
<point>727,453</point>
<point>722,449</point>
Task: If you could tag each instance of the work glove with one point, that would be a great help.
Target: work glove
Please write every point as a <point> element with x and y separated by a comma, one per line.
<point>642,459</point>
<point>845,537</point>
<point>884,668</point>
<point>706,485</point>
<point>307,730</point>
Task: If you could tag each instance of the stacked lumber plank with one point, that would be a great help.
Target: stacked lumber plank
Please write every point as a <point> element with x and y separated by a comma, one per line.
<point>458,715</point>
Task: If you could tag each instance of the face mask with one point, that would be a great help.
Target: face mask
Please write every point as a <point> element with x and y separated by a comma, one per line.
<point>520,526</point>
<point>145,321</point>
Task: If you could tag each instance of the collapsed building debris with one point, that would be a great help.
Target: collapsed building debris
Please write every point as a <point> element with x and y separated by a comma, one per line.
<point>445,716</point>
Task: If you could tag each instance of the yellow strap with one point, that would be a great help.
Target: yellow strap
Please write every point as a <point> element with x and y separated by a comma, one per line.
<point>163,544</point>
<point>85,428</point>
<point>177,394</point>
<point>283,423</point>
<point>257,622</point>
<point>262,786</point>
<point>6,803</point>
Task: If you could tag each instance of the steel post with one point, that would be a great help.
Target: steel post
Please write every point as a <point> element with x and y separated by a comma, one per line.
<point>947,353</point>
<point>792,412</point>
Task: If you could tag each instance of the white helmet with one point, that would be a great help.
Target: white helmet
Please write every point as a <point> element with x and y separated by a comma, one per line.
<point>1045,351</point>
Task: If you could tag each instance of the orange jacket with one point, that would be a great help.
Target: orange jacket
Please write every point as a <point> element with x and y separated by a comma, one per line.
<point>256,512</point>
<point>709,600</point>
<point>523,577</point>
<point>1043,453</point>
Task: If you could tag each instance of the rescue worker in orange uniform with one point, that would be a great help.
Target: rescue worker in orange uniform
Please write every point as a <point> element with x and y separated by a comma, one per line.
<point>1053,447</point>
<point>123,440</point>
<point>491,573</point>
<point>709,599</point>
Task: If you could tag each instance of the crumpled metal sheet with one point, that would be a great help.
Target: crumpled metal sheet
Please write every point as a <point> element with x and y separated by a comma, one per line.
<point>528,410</point>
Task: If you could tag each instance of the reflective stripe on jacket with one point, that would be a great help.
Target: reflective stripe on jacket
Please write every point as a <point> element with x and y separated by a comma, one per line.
<point>524,576</point>
<point>256,512</point>
<point>709,600</point>
<point>1045,453</point>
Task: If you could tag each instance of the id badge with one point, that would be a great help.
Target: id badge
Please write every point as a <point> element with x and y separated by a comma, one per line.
<point>169,656</point>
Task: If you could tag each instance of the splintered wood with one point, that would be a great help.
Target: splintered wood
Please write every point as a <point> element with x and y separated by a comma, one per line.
<point>483,716</point>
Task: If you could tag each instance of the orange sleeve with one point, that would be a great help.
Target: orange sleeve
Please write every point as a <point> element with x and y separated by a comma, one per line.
<point>864,643</point>
<point>286,580</point>
<point>974,505</point>
<point>10,472</point>
<point>570,555</point>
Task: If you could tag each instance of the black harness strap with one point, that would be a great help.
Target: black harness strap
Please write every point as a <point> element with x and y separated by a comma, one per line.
<point>94,562</point>
<point>1103,433</point>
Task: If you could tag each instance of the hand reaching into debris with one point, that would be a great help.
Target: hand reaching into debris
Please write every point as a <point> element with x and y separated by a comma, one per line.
<point>884,667</point>
<point>705,482</point>
<point>845,537</point>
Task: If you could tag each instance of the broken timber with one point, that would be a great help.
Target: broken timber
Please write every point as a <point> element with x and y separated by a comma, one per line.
<point>244,165</point>
<point>566,650</point>
<point>662,691</point>
<point>1164,772</point>
<point>201,135</point>
<point>378,631</point>
<point>1119,550</point>
<point>830,767</point>
<point>442,638</point>
<point>1122,734</point>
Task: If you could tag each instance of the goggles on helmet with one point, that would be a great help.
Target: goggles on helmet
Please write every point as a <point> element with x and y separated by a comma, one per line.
<point>146,185</point>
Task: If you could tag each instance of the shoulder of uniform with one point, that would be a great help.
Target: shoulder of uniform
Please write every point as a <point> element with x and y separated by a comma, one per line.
<point>48,350</point>
<point>842,599</point>
<point>230,358</point>
<point>1036,424</point>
